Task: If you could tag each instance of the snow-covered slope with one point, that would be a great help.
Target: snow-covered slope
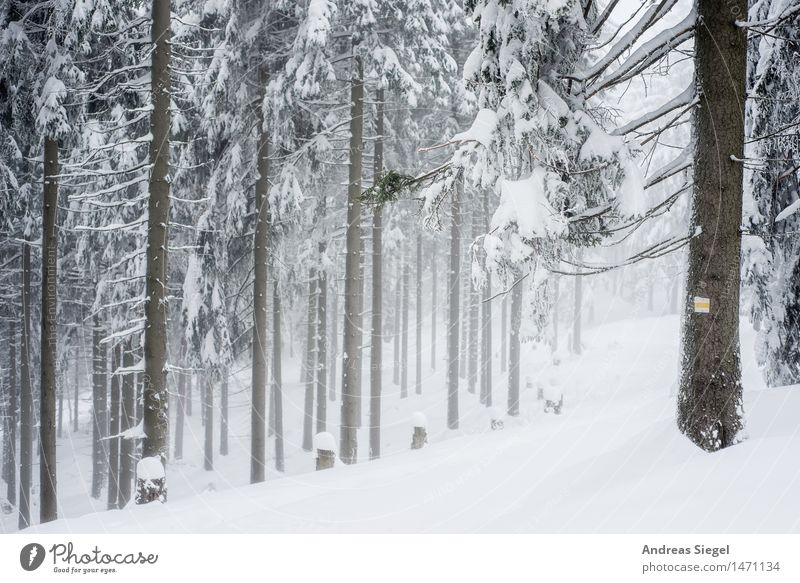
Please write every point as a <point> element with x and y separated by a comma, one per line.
<point>612,462</point>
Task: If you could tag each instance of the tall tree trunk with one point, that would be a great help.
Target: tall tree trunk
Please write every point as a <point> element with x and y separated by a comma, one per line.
<point>223,413</point>
<point>10,457</point>
<point>48,484</point>
<point>418,315</point>
<point>353,290</point>
<point>180,416</point>
<point>464,318</point>
<point>127,421</point>
<point>503,334</point>
<point>100,409</point>
<point>26,395</point>
<point>114,428</point>
<point>434,302</point>
<point>376,343</point>
<point>453,312</point>
<point>76,391</point>
<point>277,388</point>
<point>710,409</point>
<point>60,422</point>
<point>260,293</point>
<point>208,441</point>
<point>474,319</point>
<point>514,350</point>
<point>398,318</point>
<point>322,347</point>
<point>156,415</point>
<point>404,340</point>
<point>486,324</point>
<point>556,282</point>
<point>310,362</point>
<point>334,335</point>
<point>189,391</point>
<point>577,313</point>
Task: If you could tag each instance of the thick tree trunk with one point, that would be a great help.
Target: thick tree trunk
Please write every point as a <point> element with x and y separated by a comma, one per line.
<point>277,388</point>
<point>710,409</point>
<point>260,293</point>
<point>376,342</point>
<point>100,409</point>
<point>223,413</point>
<point>208,440</point>
<point>113,429</point>
<point>453,312</point>
<point>310,363</point>
<point>10,457</point>
<point>322,347</point>
<point>514,350</point>
<point>353,290</point>
<point>156,415</point>
<point>48,484</point>
<point>127,447</point>
<point>418,317</point>
<point>26,395</point>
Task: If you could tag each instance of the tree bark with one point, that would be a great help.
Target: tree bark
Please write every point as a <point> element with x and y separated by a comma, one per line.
<point>710,408</point>
<point>577,312</point>
<point>376,343</point>
<point>48,483</point>
<point>503,334</point>
<point>277,388</point>
<point>334,336</point>
<point>404,340</point>
<point>260,293</point>
<point>514,350</point>
<point>113,428</point>
<point>322,347</point>
<point>353,290</point>
<point>474,319</point>
<point>453,311</point>
<point>398,317</point>
<point>156,414</point>
<point>127,446</point>
<point>100,409</point>
<point>26,395</point>
<point>223,413</point>
<point>208,440</point>
<point>310,363</point>
<point>418,317</point>
<point>10,459</point>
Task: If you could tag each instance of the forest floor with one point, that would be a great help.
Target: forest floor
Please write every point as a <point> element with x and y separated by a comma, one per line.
<point>613,461</point>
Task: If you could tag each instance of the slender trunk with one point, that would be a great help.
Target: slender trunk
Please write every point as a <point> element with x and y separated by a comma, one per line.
<point>577,313</point>
<point>453,312</point>
<point>503,334</point>
<point>514,350</point>
<point>434,304</point>
<point>277,389</point>
<point>418,314</point>
<point>189,390</point>
<point>322,347</point>
<point>404,341</point>
<point>223,413</point>
<point>710,408</point>
<point>208,441</point>
<point>127,421</point>
<point>113,429</point>
<point>26,395</point>
<point>100,410</point>
<point>334,338</point>
<point>486,324</point>
<point>10,459</point>
<point>310,363</point>
<point>260,292</point>
<point>48,484</point>
<point>353,290</point>
<point>398,303</point>
<point>60,416</point>
<point>376,343</point>
<point>474,320</point>
<point>180,416</point>
<point>156,415</point>
<point>76,392</point>
<point>464,319</point>
<point>556,282</point>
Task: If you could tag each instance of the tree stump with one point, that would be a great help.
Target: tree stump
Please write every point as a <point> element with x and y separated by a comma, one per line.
<point>151,481</point>
<point>325,459</point>
<point>419,438</point>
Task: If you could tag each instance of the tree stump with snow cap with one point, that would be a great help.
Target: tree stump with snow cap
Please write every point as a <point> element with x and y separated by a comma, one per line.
<point>496,419</point>
<point>150,481</point>
<point>325,444</point>
<point>420,436</point>
<point>553,399</point>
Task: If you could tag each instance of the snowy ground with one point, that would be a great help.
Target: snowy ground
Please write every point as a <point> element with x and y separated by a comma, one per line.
<point>612,462</point>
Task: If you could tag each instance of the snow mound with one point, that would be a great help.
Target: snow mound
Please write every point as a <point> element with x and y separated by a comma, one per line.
<point>418,419</point>
<point>150,468</point>
<point>495,413</point>
<point>325,441</point>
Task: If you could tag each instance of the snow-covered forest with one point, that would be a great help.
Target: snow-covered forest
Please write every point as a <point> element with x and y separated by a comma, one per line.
<point>399,265</point>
